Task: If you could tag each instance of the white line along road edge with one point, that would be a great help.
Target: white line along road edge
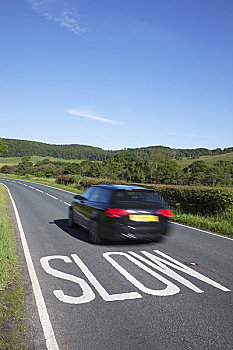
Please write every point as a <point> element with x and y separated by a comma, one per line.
<point>199,229</point>
<point>42,310</point>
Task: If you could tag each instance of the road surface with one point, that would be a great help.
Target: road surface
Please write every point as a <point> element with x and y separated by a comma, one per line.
<point>174,295</point>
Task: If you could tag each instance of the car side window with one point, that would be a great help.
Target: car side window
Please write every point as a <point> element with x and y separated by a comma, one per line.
<point>100,195</point>
<point>95,195</point>
<point>88,192</point>
<point>105,195</point>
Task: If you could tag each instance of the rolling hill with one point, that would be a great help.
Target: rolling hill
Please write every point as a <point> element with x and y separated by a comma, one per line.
<point>74,152</point>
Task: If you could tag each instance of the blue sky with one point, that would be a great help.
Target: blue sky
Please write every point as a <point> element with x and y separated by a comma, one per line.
<point>117,74</point>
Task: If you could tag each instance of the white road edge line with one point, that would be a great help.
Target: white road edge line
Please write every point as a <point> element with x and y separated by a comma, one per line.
<point>198,229</point>
<point>42,310</point>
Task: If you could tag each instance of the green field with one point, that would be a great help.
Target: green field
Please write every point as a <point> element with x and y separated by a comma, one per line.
<point>34,159</point>
<point>185,162</point>
<point>209,160</point>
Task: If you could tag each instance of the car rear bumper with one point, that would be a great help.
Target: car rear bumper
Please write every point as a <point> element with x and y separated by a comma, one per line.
<point>118,232</point>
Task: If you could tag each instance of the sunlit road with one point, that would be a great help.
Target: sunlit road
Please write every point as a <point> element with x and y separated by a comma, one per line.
<point>176,295</point>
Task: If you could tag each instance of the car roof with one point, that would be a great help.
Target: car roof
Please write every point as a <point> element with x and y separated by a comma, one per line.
<point>122,187</point>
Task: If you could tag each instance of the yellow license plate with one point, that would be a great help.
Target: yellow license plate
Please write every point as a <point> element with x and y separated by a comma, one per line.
<point>143,218</point>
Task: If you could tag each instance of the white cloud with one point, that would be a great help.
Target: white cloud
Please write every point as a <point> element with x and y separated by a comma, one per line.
<point>87,113</point>
<point>59,11</point>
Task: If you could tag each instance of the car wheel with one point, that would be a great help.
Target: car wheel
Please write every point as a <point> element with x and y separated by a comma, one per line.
<point>71,218</point>
<point>94,233</point>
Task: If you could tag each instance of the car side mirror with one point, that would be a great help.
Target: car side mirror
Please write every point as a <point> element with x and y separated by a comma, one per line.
<point>78,196</point>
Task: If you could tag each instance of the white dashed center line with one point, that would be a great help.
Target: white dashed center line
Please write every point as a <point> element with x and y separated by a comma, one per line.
<point>21,183</point>
<point>52,196</point>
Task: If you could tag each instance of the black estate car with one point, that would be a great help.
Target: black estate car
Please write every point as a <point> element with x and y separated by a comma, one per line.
<point>117,212</point>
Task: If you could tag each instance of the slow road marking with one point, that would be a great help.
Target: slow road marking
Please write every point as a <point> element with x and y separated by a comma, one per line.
<point>155,263</point>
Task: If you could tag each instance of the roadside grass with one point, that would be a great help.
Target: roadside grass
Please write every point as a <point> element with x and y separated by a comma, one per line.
<point>12,325</point>
<point>221,223</point>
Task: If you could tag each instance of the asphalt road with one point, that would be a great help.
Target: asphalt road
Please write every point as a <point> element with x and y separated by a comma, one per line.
<point>108,297</point>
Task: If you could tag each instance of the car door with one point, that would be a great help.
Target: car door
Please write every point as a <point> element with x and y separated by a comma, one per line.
<point>96,205</point>
<point>90,206</point>
<point>79,207</point>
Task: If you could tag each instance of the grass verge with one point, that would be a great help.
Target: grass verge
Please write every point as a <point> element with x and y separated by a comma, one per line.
<point>12,325</point>
<point>221,223</point>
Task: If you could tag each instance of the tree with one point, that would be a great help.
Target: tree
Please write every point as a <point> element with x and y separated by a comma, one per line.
<point>71,168</point>
<point>168,172</point>
<point>6,169</point>
<point>25,166</point>
<point>3,147</point>
<point>198,167</point>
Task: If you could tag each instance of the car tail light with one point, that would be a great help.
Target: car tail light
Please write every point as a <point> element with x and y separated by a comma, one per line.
<point>166,212</point>
<point>116,212</point>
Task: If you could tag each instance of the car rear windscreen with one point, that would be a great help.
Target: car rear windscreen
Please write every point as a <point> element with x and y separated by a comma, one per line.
<point>137,196</point>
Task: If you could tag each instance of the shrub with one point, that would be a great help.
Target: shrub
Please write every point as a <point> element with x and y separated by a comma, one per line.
<point>65,179</point>
<point>86,182</point>
<point>39,174</point>
<point>6,169</point>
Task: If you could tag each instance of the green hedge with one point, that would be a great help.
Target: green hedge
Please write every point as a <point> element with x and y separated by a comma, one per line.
<point>200,200</point>
<point>85,182</point>
<point>193,200</point>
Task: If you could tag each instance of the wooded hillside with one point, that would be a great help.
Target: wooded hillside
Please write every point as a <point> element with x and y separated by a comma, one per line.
<point>22,148</point>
